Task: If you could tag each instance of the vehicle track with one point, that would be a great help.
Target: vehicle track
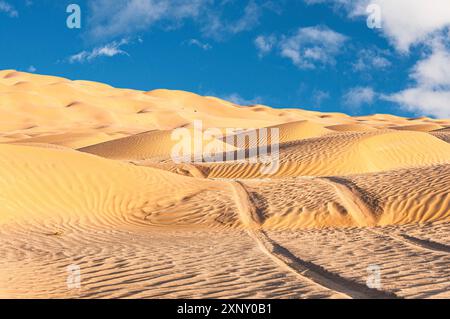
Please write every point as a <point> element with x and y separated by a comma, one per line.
<point>252,221</point>
<point>364,217</point>
<point>415,242</point>
<point>351,199</point>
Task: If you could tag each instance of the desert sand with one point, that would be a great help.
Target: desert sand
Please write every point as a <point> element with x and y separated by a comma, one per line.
<point>87,180</point>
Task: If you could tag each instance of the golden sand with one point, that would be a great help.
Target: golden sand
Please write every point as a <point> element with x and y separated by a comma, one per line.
<point>87,179</point>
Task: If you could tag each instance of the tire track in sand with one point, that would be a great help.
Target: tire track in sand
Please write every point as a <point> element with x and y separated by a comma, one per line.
<point>364,217</point>
<point>309,271</point>
<point>415,242</point>
<point>361,213</point>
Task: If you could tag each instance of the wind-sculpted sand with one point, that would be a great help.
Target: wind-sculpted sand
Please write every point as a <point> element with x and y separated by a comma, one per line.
<point>359,207</point>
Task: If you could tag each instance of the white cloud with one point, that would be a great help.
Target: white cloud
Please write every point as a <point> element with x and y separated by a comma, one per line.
<point>121,17</point>
<point>215,26</point>
<point>358,96</point>
<point>425,25</point>
<point>108,50</point>
<point>238,99</point>
<point>311,46</point>
<point>371,59</point>
<point>319,96</point>
<point>265,44</point>
<point>408,22</point>
<point>427,101</point>
<point>31,69</point>
<point>250,18</point>
<point>8,9</point>
<point>110,19</point>
<point>307,48</point>
<point>431,93</point>
<point>404,22</point>
<point>201,45</point>
<point>433,71</point>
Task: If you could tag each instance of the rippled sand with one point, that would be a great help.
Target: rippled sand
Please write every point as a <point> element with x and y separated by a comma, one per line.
<point>87,181</point>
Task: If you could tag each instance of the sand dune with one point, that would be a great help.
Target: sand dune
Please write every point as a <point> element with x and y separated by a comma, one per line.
<point>417,195</point>
<point>152,145</point>
<point>443,135</point>
<point>52,105</point>
<point>71,139</point>
<point>87,178</point>
<point>351,128</point>
<point>288,132</point>
<point>100,191</point>
<point>346,154</point>
<point>419,127</point>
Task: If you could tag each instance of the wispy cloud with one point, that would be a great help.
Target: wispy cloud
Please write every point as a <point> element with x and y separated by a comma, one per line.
<point>238,99</point>
<point>108,50</point>
<point>202,45</point>
<point>9,9</point>
<point>265,44</point>
<point>215,26</point>
<point>307,48</point>
<point>311,46</point>
<point>111,19</point>
<point>359,96</point>
<point>319,96</point>
<point>368,59</point>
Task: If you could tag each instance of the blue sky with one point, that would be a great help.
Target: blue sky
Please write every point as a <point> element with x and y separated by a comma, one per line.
<point>313,54</point>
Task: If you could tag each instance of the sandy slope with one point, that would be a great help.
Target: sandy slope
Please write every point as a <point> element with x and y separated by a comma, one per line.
<point>152,145</point>
<point>404,196</point>
<point>87,179</point>
<point>101,191</point>
<point>443,135</point>
<point>346,154</point>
